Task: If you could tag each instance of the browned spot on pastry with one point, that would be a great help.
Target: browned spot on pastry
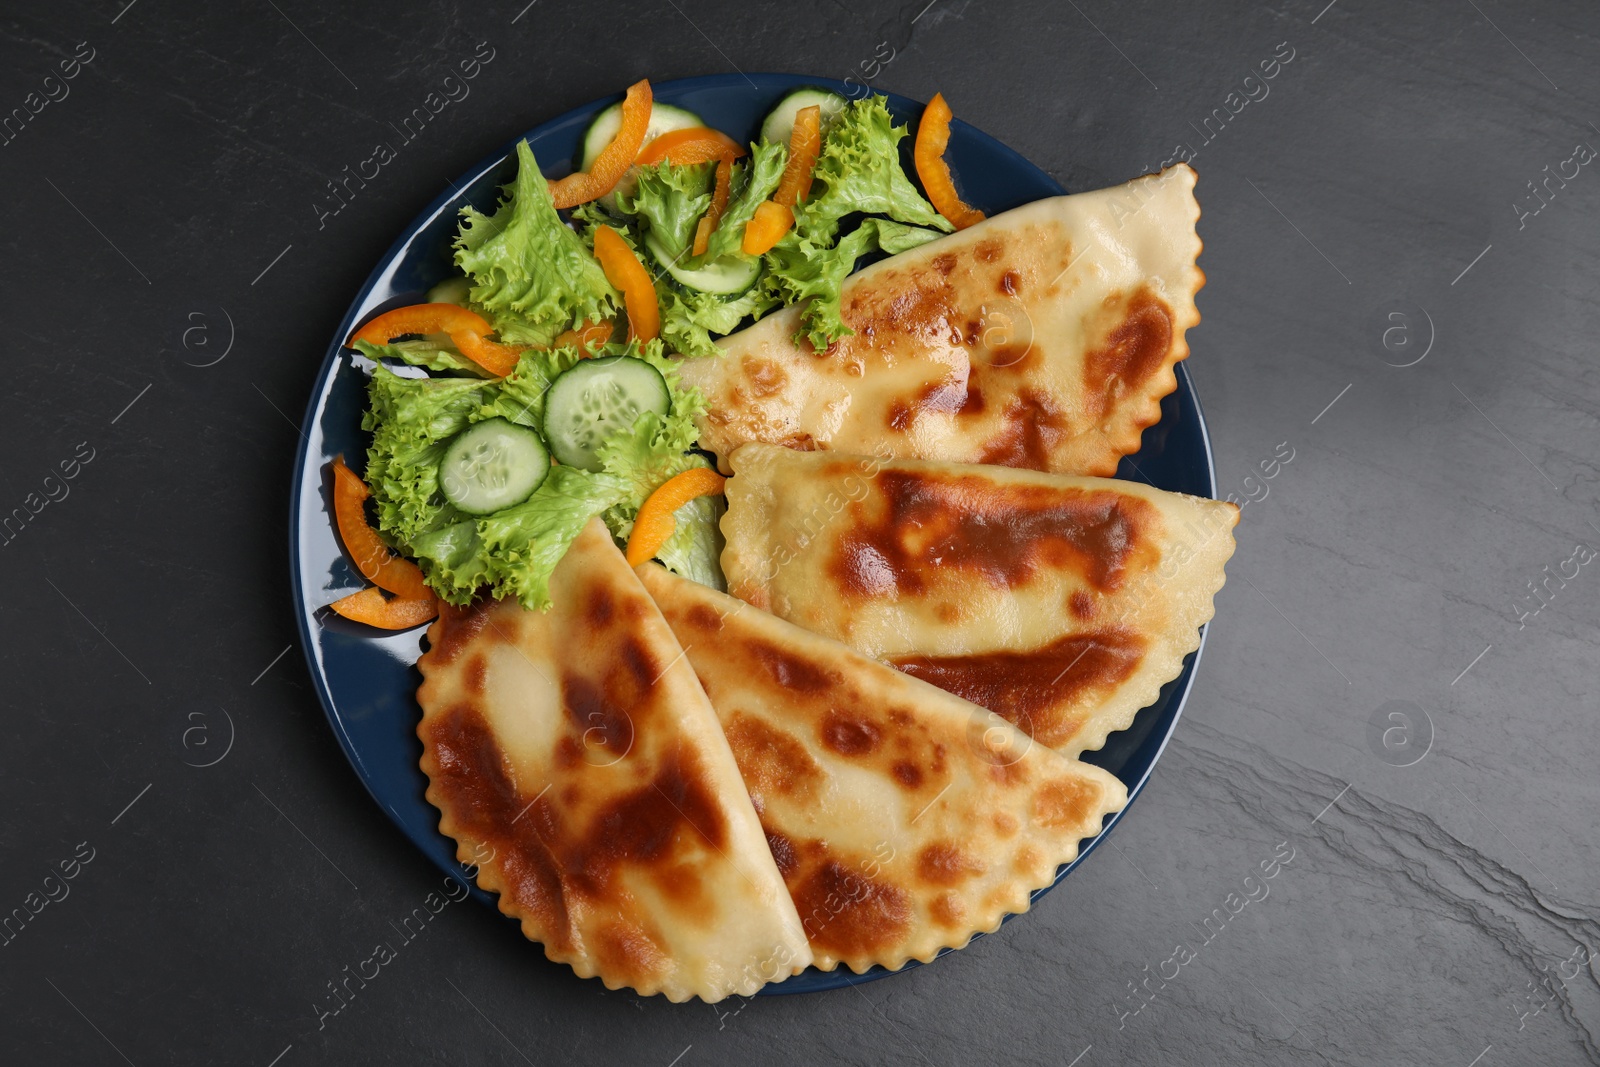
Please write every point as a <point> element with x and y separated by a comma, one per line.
<point>1081,604</point>
<point>475,674</point>
<point>847,913</point>
<point>1003,533</point>
<point>1034,426</point>
<point>1010,283</point>
<point>456,628</point>
<point>704,617</point>
<point>848,735</point>
<point>783,853</point>
<point>1036,689</point>
<point>907,773</point>
<point>948,909</point>
<point>770,761</point>
<point>1065,802</point>
<point>942,863</point>
<point>791,671</point>
<point>600,722</point>
<point>1135,346</point>
<point>765,376</point>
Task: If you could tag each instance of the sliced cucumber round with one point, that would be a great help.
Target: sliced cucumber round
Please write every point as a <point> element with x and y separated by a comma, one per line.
<point>664,118</point>
<point>779,123</point>
<point>729,275</point>
<point>597,398</point>
<point>491,466</point>
<point>451,291</point>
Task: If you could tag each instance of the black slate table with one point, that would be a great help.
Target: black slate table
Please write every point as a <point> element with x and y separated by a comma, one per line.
<point>1396,716</point>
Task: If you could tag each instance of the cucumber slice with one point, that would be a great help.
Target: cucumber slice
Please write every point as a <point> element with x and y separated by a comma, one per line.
<point>664,118</point>
<point>730,275</point>
<point>492,465</point>
<point>596,398</point>
<point>451,291</point>
<point>779,123</point>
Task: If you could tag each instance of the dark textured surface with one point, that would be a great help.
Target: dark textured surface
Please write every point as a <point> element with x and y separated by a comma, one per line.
<point>1440,912</point>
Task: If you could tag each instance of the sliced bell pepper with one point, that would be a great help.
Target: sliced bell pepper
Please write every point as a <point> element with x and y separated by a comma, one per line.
<point>805,145</point>
<point>933,134</point>
<point>719,204</point>
<point>587,336</point>
<point>468,331</point>
<point>656,521</point>
<point>775,217</point>
<point>615,158</point>
<point>766,227</point>
<point>371,556</point>
<point>624,271</point>
<point>371,607</point>
<point>693,144</point>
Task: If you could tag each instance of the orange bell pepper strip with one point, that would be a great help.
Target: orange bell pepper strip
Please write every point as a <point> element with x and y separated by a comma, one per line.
<point>766,227</point>
<point>694,144</point>
<point>468,331</point>
<point>587,336</point>
<point>719,204</point>
<point>775,217</point>
<point>370,606</point>
<point>805,145</point>
<point>615,158</point>
<point>656,522</point>
<point>933,134</point>
<point>367,551</point>
<point>624,271</point>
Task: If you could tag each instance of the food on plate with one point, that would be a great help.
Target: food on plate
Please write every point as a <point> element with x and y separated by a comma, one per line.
<point>869,756</point>
<point>461,471</point>
<point>575,761</point>
<point>1061,602</point>
<point>903,819</point>
<point>1043,337</point>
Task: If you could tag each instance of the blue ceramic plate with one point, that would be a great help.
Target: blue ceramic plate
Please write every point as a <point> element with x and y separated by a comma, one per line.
<point>366,679</point>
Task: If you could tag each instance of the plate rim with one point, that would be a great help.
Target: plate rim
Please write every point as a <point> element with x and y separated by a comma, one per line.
<point>387,263</point>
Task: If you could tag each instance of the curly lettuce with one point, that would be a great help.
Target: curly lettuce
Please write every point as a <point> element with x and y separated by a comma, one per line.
<point>754,180</point>
<point>670,201</point>
<point>512,552</point>
<point>688,318</point>
<point>859,171</point>
<point>532,276</point>
<point>801,270</point>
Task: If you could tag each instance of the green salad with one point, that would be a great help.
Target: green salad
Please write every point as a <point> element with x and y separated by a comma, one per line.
<point>484,477</point>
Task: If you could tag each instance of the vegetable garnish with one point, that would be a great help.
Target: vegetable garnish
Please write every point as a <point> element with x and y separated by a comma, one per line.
<point>933,134</point>
<point>531,275</point>
<point>624,271</point>
<point>370,606</point>
<point>805,144</point>
<point>656,523</point>
<point>696,144</point>
<point>468,331</point>
<point>772,220</point>
<point>719,204</point>
<point>613,162</point>
<point>367,550</point>
<point>587,336</point>
<point>775,217</point>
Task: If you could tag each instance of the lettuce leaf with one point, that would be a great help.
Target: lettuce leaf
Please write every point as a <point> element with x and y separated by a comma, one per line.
<point>754,180</point>
<point>532,276</point>
<point>434,355</point>
<point>670,200</point>
<point>522,545</point>
<point>695,548</point>
<point>859,171</point>
<point>688,319</point>
<point>799,269</point>
<point>412,420</point>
